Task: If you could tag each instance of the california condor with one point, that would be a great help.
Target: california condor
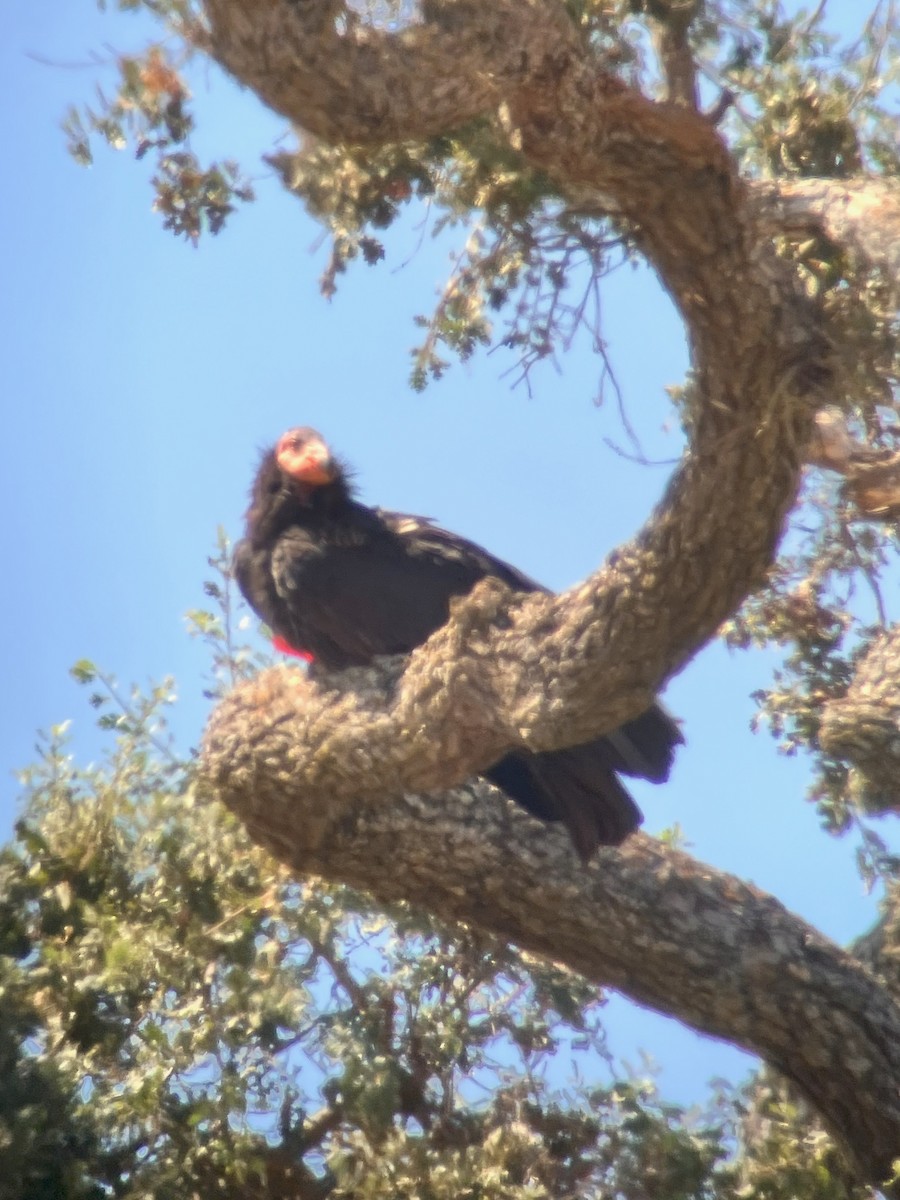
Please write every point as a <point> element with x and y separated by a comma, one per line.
<point>341,583</point>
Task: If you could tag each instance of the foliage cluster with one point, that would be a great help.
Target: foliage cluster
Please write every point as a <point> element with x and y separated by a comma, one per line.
<point>797,105</point>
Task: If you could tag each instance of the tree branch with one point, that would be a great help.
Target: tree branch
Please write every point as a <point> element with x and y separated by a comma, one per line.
<point>860,215</point>
<point>673,20</point>
<point>872,476</point>
<point>368,87</point>
<point>863,727</point>
<point>316,770</point>
<point>669,932</point>
<point>760,366</point>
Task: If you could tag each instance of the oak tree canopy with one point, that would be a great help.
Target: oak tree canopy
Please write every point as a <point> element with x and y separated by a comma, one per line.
<point>757,173</point>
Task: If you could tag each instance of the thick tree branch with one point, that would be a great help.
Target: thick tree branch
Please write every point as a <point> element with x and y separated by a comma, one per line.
<point>863,727</point>
<point>872,476</point>
<point>317,772</point>
<point>367,87</point>
<point>673,20</point>
<point>759,358</point>
<point>860,215</point>
<point>666,930</point>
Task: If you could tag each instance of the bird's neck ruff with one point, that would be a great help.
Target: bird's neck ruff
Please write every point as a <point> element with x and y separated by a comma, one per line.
<point>279,502</point>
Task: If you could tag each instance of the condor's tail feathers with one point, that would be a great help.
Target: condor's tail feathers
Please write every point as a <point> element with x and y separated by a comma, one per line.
<point>579,785</point>
<point>644,747</point>
<point>575,786</point>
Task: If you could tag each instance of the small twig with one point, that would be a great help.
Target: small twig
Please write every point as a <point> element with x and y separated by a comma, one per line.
<point>128,711</point>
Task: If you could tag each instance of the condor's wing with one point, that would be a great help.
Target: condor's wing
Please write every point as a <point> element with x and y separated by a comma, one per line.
<point>383,589</point>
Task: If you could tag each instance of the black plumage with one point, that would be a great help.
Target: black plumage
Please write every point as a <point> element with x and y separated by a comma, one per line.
<point>345,582</point>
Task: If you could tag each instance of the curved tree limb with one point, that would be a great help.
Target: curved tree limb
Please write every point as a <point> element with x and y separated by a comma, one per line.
<point>671,933</point>
<point>317,773</point>
<point>758,345</point>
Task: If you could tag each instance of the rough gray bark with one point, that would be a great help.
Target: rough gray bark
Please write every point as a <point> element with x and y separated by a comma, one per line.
<point>872,476</point>
<point>327,778</point>
<point>758,347</point>
<point>670,932</point>
<point>860,215</point>
<point>863,727</point>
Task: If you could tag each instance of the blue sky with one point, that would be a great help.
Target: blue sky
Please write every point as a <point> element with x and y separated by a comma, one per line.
<point>141,376</point>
